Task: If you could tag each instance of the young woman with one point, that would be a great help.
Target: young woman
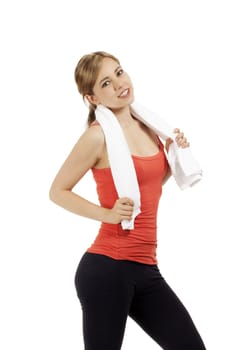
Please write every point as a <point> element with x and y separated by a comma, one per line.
<point>119,275</point>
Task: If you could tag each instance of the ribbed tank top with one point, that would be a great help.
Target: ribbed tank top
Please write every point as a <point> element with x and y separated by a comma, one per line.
<point>139,244</point>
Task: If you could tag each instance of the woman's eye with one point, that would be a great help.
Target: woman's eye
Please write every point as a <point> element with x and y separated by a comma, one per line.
<point>120,72</point>
<point>106,83</point>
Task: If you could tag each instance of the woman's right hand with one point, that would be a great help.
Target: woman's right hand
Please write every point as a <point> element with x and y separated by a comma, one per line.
<point>122,210</point>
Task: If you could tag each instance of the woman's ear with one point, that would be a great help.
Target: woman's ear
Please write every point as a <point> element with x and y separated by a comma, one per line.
<point>92,99</point>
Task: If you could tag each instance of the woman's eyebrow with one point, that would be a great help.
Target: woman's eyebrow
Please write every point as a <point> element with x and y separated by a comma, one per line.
<point>107,76</point>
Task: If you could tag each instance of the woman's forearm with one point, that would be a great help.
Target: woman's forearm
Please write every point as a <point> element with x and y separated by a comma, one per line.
<point>78,205</point>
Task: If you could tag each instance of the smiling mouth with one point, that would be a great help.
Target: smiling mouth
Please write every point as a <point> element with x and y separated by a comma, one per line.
<point>125,93</point>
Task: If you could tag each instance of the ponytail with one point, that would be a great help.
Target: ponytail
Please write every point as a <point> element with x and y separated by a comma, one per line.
<point>91,115</point>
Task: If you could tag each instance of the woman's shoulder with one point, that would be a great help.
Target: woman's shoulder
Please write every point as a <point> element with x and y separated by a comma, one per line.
<point>94,134</point>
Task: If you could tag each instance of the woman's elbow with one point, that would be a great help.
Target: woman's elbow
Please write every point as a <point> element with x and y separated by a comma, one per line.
<point>54,194</point>
<point>59,195</point>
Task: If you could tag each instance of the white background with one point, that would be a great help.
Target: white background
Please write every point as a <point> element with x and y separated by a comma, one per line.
<point>179,55</point>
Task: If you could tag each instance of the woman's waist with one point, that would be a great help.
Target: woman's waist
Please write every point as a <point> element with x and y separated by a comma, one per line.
<point>144,231</point>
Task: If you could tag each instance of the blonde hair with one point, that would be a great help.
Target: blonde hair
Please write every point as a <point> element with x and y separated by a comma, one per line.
<point>86,73</point>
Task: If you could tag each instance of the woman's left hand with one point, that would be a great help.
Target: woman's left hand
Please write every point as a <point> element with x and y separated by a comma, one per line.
<point>180,140</point>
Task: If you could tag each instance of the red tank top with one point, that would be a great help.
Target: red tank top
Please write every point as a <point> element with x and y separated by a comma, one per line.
<point>140,243</point>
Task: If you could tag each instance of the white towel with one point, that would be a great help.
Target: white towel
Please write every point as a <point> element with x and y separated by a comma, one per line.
<point>184,167</point>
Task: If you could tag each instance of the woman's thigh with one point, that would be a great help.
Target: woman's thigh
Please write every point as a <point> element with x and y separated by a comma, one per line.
<point>157,309</point>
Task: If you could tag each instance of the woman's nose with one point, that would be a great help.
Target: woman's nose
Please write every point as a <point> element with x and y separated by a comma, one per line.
<point>117,84</point>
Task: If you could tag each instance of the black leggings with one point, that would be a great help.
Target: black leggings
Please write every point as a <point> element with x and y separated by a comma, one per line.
<point>109,290</point>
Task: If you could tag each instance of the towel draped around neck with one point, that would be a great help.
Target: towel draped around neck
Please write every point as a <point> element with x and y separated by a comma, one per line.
<point>184,167</point>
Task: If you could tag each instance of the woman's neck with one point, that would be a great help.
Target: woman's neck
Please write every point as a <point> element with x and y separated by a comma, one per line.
<point>124,116</point>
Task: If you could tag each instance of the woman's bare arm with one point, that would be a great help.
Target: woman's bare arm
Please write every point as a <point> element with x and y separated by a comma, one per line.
<point>83,157</point>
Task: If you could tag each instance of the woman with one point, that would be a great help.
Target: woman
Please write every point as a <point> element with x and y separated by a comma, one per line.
<point>118,275</point>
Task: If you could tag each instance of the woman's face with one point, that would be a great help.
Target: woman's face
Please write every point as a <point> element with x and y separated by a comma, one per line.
<point>113,87</point>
